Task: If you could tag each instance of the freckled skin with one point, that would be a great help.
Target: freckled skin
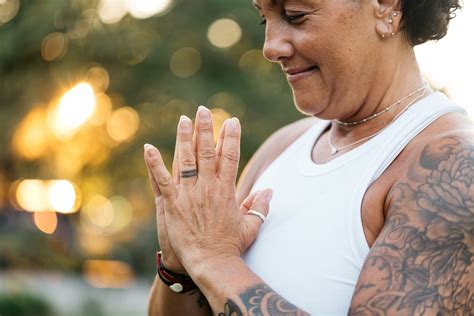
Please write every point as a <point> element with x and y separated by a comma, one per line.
<point>335,36</point>
<point>420,216</point>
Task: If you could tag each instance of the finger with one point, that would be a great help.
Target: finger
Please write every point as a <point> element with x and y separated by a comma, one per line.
<point>187,158</point>
<point>154,185</point>
<point>161,175</point>
<point>247,203</point>
<point>160,225</point>
<point>176,176</point>
<point>229,162</point>
<point>220,141</point>
<point>205,147</point>
<point>261,205</point>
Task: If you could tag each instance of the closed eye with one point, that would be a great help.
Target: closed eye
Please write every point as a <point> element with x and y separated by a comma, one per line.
<point>293,18</point>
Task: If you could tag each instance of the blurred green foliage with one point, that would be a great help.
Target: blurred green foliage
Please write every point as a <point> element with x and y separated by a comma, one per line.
<point>24,305</point>
<point>136,54</point>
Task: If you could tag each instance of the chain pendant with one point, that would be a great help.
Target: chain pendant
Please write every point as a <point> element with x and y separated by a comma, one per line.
<point>334,151</point>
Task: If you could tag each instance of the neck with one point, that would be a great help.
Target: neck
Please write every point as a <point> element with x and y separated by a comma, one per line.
<point>405,78</point>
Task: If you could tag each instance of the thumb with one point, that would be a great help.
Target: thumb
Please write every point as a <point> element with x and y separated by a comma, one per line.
<point>260,205</point>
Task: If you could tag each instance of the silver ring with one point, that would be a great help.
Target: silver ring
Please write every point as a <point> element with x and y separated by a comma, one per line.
<point>258,214</point>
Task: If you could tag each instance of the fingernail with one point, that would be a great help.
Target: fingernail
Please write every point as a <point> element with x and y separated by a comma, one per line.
<point>268,195</point>
<point>204,113</point>
<point>185,123</point>
<point>233,123</point>
<point>151,151</point>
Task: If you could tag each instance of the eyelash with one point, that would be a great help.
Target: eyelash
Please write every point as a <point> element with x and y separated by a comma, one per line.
<point>293,19</point>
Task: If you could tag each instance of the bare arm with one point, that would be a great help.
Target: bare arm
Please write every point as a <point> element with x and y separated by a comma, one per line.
<point>163,301</point>
<point>421,264</point>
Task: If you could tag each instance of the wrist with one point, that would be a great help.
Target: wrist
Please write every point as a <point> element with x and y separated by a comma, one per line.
<point>206,268</point>
<point>177,282</point>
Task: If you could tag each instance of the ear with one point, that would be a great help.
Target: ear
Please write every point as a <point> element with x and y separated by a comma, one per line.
<point>388,15</point>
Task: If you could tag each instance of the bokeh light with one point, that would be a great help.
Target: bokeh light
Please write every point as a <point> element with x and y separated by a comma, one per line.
<point>224,33</point>
<point>74,109</point>
<point>123,124</point>
<point>99,211</point>
<point>143,9</point>
<point>54,46</point>
<point>40,196</point>
<point>62,196</point>
<point>8,10</point>
<point>111,11</point>
<point>32,196</point>
<point>123,213</point>
<point>103,109</point>
<point>228,102</point>
<point>107,273</point>
<point>46,221</point>
<point>253,61</point>
<point>185,62</point>
<point>218,117</point>
<point>98,78</point>
<point>30,139</point>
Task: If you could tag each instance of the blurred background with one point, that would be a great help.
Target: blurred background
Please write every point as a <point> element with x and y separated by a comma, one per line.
<point>83,85</point>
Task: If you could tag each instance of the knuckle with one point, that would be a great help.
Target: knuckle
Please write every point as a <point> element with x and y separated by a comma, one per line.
<point>165,181</point>
<point>231,155</point>
<point>207,153</point>
<point>188,162</point>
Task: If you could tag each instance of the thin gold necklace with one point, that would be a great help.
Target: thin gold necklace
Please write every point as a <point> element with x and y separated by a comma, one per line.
<point>335,150</point>
<point>388,108</point>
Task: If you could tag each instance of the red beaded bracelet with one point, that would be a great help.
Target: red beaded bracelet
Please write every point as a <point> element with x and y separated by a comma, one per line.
<point>177,282</point>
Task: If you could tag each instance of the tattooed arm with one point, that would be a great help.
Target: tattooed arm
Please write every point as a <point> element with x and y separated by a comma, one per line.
<point>232,289</point>
<point>422,261</point>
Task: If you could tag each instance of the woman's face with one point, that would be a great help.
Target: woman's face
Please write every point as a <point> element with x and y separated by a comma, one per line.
<point>329,50</point>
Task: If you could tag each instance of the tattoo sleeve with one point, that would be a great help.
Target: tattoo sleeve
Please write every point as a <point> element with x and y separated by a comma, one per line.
<point>422,261</point>
<point>261,300</point>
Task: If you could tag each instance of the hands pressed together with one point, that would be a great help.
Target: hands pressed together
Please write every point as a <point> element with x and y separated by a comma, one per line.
<point>198,217</point>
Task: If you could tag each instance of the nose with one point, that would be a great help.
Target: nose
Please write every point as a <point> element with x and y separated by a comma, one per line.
<point>277,46</point>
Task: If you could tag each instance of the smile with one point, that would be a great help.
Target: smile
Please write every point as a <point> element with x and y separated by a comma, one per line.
<point>296,74</point>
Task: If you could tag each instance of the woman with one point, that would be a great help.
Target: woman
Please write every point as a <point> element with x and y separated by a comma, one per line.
<point>373,202</point>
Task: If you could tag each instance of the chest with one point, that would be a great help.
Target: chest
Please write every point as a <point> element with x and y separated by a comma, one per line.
<point>373,206</point>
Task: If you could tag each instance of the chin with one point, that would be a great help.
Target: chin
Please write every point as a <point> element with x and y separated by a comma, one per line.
<point>309,105</point>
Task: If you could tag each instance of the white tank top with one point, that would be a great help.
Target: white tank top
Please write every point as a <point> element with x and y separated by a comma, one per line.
<point>312,247</point>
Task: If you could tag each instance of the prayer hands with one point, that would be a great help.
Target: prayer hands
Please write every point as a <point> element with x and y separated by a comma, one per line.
<point>198,216</point>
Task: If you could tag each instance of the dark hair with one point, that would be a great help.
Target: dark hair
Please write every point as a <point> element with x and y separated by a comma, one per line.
<point>425,20</point>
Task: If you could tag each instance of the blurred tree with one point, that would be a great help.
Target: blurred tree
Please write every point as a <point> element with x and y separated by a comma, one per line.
<point>161,67</point>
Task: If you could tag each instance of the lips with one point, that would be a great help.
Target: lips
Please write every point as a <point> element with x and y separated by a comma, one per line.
<point>295,71</point>
<point>295,74</point>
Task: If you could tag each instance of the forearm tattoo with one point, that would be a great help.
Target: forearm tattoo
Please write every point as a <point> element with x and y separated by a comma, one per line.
<point>261,300</point>
<point>422,262</point>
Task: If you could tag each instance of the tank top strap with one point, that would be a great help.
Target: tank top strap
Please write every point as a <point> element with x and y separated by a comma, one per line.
<point>396,137</point>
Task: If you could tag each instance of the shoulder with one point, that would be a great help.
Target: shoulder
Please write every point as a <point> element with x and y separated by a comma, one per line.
<point>448,134</point>
<point>421,262</point>
<point>274,146</point>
